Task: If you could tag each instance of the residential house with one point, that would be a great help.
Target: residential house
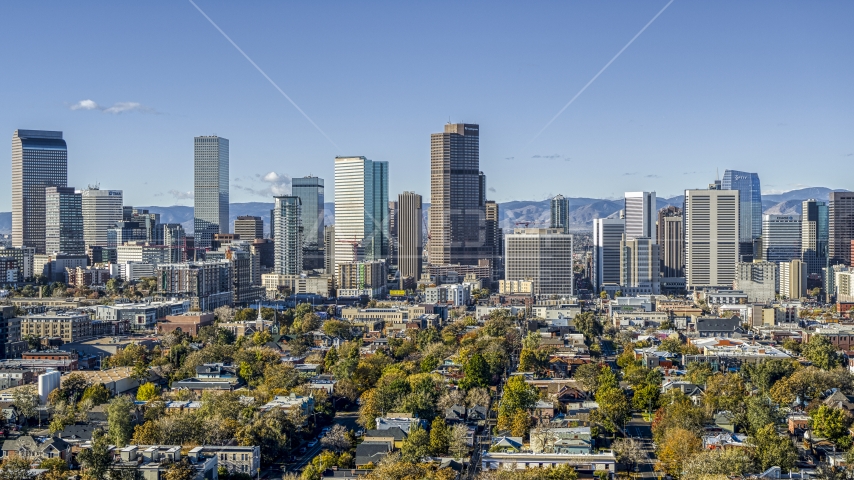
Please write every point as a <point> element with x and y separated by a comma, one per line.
<point>291,402</point>
<point>235,459</point>
<point>368,454</point>
<point>507,444</point>
<point>37,448</point>
<point>724,440</point>
<point>576,440</point>
<point>393,436</point>
<point>725,421</point>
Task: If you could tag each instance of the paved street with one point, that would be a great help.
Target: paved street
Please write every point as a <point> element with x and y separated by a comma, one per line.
<point>347,419</point>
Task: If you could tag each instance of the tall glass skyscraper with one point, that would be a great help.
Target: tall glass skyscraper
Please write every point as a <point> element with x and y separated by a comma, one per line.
<point>287,225</point>
<point>39,160</point>
<point>814,236</point>
<point>310,192</point>
<point>361,210</point>
<point>210,215</point>
<point>560,214</point>
<point>750,209</point>
<point>63,221</point>
<point>102,210</point>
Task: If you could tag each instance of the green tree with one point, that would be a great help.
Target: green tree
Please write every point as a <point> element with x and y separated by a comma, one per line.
<point>822,353</point>
<point>476,373</point>
<point>15,468</point>
<point>772,449</point>
<point>96,393</point>
<point>416,445</point>
<point>587,376</point>
<point>146,392</point>
<point>767,372</point>
<point>828,422</point>
<point>97,459</point>
<point>724,392</point>
<point>180,471</point>
<point>439,437</point>
<point>26,401</point>
<point>613,406</point>
<point>120,424</point>
<point>587,324</point>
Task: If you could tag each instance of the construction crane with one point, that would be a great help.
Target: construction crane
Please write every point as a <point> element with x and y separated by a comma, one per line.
<point>355,243</point>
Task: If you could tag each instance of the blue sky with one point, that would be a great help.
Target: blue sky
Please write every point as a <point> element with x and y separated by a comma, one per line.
<point>753,86</point>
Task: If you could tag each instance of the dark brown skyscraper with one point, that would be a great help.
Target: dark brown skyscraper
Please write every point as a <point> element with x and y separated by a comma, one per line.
<point>409,234</point>
<point>671,242</point>
<point>457,230</point>
<point>840,209</point>
<point>249,228</point>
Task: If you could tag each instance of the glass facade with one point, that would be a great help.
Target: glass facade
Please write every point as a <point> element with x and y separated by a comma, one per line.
<point>560,213</point>
<point>39,160</point>
<point>750,208</point>
<point>287,225</point>
<point>814,236</point>
<point>210,214</point>
<point>310,192</point>
<point>63,221</point>
<point>361,210</point>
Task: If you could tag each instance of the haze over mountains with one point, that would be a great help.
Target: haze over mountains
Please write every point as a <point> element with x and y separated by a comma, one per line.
<point>582,211</point>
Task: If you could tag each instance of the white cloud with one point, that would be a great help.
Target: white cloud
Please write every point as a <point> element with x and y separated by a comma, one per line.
<point>85,105</point>
<point>179,195</point>
<point>115,109</point>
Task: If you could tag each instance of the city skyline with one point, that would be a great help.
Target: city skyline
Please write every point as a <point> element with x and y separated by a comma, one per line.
<point>619,119</point>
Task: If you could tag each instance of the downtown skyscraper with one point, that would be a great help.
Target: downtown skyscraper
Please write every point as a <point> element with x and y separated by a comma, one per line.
<point>457,225</point>
<point>711,238</point>
<point>840,211</point>
<point>210,212</point>
<point>559,213</point>
<point>39,160</point>
<point>63,221</point>
<point>287,225</point>
<point>641,213</point>
<point>749,209</point>
<point>361,210</point>
<point>409,234</point>
<point>310,192</point>
<point>102,210</point>
<point>814,236</point>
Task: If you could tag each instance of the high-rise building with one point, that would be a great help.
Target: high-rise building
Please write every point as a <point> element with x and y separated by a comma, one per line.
<point>757,279</point>
<point>640,215</point>
<point>310,192</point>
<point>329,248</point>
<point>781,238</point>
<point>175,239</point>
<point>361,210</point>
<point>63,231</point>
<point>208,285</point>
<point>210,213</point>
<point>494,239</point>
<point>249,228</point>
<point>671,242</point>
<point>814,236</point>
<point>102,210</point>
<point>711,237</point>
<point>793,279</point>
<point>457,196</point>
<point>749,209</point>
<point>639,267</point>
<point>607,236</point>
<point>542,256</point>
<point>559,213</point>
<point>39,160</point>
<point>393,214</point>
<point>287,223</point>
<point>840,210</point>
<point>409,234</point>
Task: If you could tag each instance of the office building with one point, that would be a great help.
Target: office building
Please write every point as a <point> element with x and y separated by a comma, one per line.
<point>23,263</point>
<point>559,210</point>
<point>639,266</point>
<point>494,240</point>
<point>102,210</point>
<point>207,285</point>
<point>781,238</point>
<point>793,279</point>
<point>758,280</point>
<point>287,224</point>
<point>210,202</point>
<point>457,218</point>
<point>361,210</point>
<point>329,249</point>
<point>393,213</point>
<point>749,209</point>
<point>840,210</point>
<point>607,235</point>
<point>249,228</point>
<point>409,233</point>
<point>814,236</point>
<point>141,252</point>
<point>39,160</point>
<point>540,255</point>
<point>711,237</point>
<point>641,214</point>
<point>671,242</point>
<point>362,278</point>
<point>310,192</point>
<point>63,221</point>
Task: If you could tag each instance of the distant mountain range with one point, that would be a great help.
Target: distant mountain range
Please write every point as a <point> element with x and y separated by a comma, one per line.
<point>582,211</point>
